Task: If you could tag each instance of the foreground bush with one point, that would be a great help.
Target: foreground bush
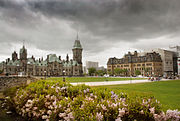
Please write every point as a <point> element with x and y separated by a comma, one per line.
<point>54,100</point>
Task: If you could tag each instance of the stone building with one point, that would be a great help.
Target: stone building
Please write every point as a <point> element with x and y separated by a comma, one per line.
<point>91,64</point>
<point>169,61</point>
<point>149,64</point>
<point>51,66</point>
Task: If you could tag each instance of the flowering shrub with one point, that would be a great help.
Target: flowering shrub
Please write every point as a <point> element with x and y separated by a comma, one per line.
<point>54,100</point>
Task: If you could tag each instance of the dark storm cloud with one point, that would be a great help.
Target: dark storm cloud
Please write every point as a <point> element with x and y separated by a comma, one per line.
<point>102,23</point>
<point>116,19</point>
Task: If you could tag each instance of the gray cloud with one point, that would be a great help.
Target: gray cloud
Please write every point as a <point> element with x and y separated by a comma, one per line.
<point>52,24</point>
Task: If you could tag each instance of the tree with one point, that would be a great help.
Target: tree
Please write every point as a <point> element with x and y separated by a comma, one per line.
<point>146,70</point>
<point>125,71</point>
<point>91,71</point>
<point>1,71</point>
<point>110,73</point>
<point>100,72</point>
<point>138,72</point>
<point>118,71</point>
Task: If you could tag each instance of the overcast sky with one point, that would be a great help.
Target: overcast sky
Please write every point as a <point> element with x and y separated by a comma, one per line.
<point>107,28</point>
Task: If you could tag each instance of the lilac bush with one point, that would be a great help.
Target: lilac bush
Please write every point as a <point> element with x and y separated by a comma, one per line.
<point>58,101</point>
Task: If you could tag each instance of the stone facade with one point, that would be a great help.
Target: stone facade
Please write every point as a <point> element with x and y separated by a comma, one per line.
<point>149,65</point>
<point>51,66</point>
<point>169,61</point>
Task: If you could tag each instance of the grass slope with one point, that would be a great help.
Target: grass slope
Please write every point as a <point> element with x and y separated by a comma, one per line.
<point>92,79</point>
<point>167,92</point>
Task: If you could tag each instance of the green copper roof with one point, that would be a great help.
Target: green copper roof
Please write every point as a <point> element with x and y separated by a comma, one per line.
<point>53,58</point>
<point>41,63</point>
<point>77,44</point>
<point>13,63</point>
<point>30,61</point>
<point>70,64</point>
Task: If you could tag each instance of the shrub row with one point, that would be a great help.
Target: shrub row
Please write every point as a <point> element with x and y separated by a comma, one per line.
<point>55,100</point>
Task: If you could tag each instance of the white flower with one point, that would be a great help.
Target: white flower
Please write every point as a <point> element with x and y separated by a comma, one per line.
<point>70,115</point>
<point>141,112</point>
<point>121,112</point>
<point>27,110</point>
<point>47,96</point>
<point>35,108</point>
<point>118,119</point>
<point>29,101</point>
<point>62,115</point>
<point>54,103</point>
<point>49,112</point>
<point>99,116</point>
<point>152,110</point>
<point>45,117</point>
<point>103,107</point>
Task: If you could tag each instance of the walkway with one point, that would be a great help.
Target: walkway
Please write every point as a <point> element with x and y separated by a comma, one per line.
<point>114,82</point>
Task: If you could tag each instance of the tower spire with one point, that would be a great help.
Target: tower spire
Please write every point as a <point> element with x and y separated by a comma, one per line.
<point>23,43</point>
<point>77,35</point>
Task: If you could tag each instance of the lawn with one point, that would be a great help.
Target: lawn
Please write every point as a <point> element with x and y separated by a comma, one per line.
<point>92,79</point>
<point>167,92</point>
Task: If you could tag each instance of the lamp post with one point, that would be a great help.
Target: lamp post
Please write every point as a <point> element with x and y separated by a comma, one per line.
<point>45,74</point>
<point>64,76</point>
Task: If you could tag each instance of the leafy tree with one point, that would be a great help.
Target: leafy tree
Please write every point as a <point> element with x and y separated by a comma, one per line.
<point>138,72</point>
<point>1,71</point>
<point>146,70</point>
<point>110,73</point>
<point>100,72</point>
<point>118,71</point>
<point>91,71</point>
<point>125,71</point>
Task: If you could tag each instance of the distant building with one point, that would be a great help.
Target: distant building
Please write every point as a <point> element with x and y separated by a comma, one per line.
<point>176,59</point>
<point>149,64</point>
<point>91,64</point>
<point>101,68</point>
<point>169,59</point>
<point>51,66</point>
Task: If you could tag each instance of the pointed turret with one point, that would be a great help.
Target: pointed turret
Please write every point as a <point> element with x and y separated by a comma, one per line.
<point>67,58</point>
<point>77,51</point>
<point>23,53</point>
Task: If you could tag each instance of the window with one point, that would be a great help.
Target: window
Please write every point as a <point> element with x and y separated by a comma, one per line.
<point>149,64</point>
<point>138,64</point>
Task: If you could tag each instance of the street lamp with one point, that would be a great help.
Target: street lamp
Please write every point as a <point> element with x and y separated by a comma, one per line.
<point>63,75</point>
<point>130,78</point>
<point>45,74</point>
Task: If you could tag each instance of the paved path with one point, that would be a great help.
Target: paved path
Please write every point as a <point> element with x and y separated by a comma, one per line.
<point>114,82</point>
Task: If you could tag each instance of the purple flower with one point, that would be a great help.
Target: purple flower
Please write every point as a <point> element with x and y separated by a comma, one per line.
<point>112,92</point>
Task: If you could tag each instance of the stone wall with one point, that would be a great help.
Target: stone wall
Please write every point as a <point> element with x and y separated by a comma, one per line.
<point>7,82</point>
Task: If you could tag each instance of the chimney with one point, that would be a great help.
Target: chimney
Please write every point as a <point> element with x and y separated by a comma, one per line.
<point>59,57</point>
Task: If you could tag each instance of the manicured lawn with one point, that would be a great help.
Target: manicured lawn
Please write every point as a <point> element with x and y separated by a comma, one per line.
<point>167,92</point>
<point>92,79</point>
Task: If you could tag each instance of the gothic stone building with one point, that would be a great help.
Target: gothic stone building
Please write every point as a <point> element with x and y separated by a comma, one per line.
<point>52,66</point>
<point>149,64</point>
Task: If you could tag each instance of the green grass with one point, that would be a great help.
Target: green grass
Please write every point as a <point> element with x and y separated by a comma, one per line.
<point>167,92</point>
<point>92,79</point>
